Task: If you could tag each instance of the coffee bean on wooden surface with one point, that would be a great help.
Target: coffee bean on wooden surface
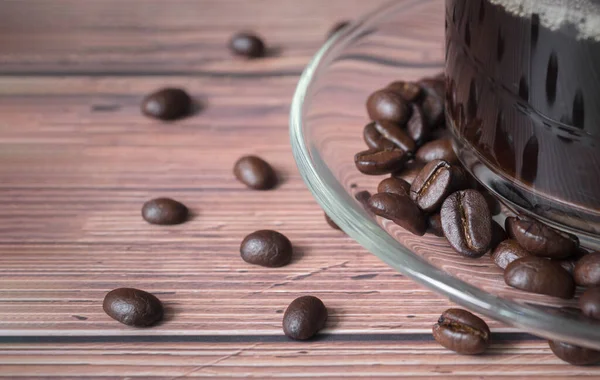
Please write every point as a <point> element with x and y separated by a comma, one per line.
<point>574,354</point>
<point>255,173</point>
<point>435,182</point>
<point>266,248</point>
<point>386,105</point>
<point>164,211</point>
<point>410,171</point>
<point>508,251</point>
<point>375,140</point>
<point>462,332</point>
<point>433,107</point>
<point>589,302</point>
<point>304,317</point>
<point>376,162</point>
<point>337,27</point>
<point>399,209</point>
<point>539,239</point>
<point>416,128</point>
<point>587,270</point>
<point>539,275</point>
<point>498,235</point>
<point>437,150</point>
<point>331,223</point>
<point>167,104</point>
<point>133,307</point>
<point>435,225</point>
<point>394,133</point>
<point>247,45</point>
<point>394,185</point>
<point>409,91</point>
<point>467,223</point>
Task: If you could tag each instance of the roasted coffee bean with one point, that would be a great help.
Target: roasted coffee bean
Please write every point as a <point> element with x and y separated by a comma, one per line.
<point>574,354</point>
<point>247,45</point>
<point>375,140</point>
<point>507,252</point>
<point>435,182</point>
<point>433,107</point>
<point>376,162</point>
<point>397,136</point>
<point>587,270</point>
<point>167,104</point>
<point>570,263</point>
<point>386,105</point>
<point>410,171</point>
<point>538,275</point>
<point>589,302</point>
<point>435,225</point>
<point>133,307</point>
<point>394,185</point>
<point>539,239</point>
<point>467,223</point>
<point>409,91</point>
<point>462,332</point>
<point>255,173</point>
<point>438,85</point>
<point>437,150</point>
<point>399,209</point>
<point>304,317</point>
<point>416,129</point>
<point>266,248</point>
<point>164,211</point>
<point>337,27</point>
<point>498,235</point>
<point>331,223</point>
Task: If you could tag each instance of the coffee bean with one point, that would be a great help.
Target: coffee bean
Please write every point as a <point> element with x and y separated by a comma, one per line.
<point>435,225</point>
<point>337,27</point>
<point>376,162</point>
<point>167,104</point>
<point>266,248</point>
<point>399,209</point>
<point>433,107</point>
<point>410,171</point>
<point>493,203</point>
<point>331,223</point>
<point>498,235</point>
<point>539,239</point>
<point>435,182</point>
<point>507,252</point>
<point>437,85</point>
<point>467,223</point>
<point>416,128</point>
<point>255,173</point>
<point>587,270</point>
<point>363,198</point>
<point>397,136</point>
<point>570,263</point>
<point>589,302</point>
<point>375,140</point>
<point>574,354</point>
<point>386,105</point>
<point>462,332</point>
<point>247,45</point>
<point>409,91</point>
<point>164,211</point>
<point>538,275</point>
<point>394,185</point>
<point>304,317</point>
<point>437,150</point>
<point>133,307</point>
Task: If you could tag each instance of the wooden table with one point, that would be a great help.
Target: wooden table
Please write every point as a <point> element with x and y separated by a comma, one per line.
<point>78,160</point>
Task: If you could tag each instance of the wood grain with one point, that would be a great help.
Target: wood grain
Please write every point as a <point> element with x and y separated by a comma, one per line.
<point>77,161</point>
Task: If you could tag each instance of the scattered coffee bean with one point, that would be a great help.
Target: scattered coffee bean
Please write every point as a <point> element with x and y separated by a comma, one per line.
<point>375,140</point>
<point>394,185</point>
<point>437,150</point>
<point>435,182</point>
<point>416,129</point>
<point>538,275</point>
<point>167,104</point>
<point>410,171</point>
<point>386,105</point>
<point>397,136</point>
<point>255,173</point>
<point>498,235</point>
<point>587,270</point>
<point>435,225</point>
<point>247,45</point>
<point>376,162</point>
<point>574,354</point>
<point>507,252</point>
<point>304,317</point>
<point>433,107</point>
<point>133,307</point>
<point>266,248</point>
<point>337,27</point>
<point>331,223</point>
<point>467,223</point>
<point>589,302</point>
<point>462,332</point>
<point>409,91</point>
<point>539,239</point>
<point>164,211</point>
<point>399,209</point>
<point>438,85</point>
